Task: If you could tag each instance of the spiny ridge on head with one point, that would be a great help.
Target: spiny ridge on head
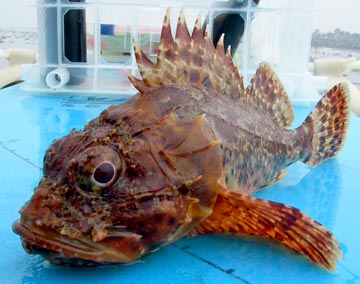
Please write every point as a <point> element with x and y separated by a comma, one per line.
<point>188,60</point>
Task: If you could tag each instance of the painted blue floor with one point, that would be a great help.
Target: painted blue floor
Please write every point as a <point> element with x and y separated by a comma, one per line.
<point>330,193</point>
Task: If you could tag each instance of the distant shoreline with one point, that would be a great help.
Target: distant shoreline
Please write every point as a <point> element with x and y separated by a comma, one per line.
<point>326,52</point>
<point>18,29</point>
<point>338,39</point>
<point>18,37</point>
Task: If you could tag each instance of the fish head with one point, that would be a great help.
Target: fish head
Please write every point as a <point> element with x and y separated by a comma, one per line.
<point>111,193</point>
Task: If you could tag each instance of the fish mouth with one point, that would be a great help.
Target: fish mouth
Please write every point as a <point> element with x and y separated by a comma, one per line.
<point>82,251</point>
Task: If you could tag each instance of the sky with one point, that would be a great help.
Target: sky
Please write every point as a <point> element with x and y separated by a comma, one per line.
<point>332,14</point>
<point>329,15</point>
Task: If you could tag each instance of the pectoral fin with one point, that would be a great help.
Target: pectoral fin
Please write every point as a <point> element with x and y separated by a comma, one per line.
<point>235,213</point>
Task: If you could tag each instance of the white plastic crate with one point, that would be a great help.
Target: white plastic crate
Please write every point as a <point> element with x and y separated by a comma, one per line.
<point>276,31</point>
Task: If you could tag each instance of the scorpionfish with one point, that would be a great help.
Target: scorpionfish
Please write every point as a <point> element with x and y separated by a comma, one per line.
<point>181,158</point>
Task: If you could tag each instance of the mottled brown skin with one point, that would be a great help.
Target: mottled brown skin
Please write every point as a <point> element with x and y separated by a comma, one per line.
<point>240,127</point>
<point>183,156</point>
<point>162,186</point>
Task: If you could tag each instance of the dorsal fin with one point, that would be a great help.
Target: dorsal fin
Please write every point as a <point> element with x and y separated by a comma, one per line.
<point>193,60</point>
<point>266,92</point>
<point>188,60</point>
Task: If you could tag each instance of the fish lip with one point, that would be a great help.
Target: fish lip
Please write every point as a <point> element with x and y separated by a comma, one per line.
<point>61,249</point>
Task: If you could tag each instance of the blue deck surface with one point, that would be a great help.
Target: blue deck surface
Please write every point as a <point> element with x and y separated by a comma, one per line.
<point>330,193</point>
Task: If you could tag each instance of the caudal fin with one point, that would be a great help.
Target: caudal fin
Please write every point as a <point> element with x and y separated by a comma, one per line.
<point>328,124</point>
<point>236,213</point>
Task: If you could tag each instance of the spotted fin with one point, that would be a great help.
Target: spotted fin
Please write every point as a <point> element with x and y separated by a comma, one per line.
<point>236,213</point>
<point>188,60</point>
<point>193,60</point>
<point>266,92</point>
<point>327,123</point>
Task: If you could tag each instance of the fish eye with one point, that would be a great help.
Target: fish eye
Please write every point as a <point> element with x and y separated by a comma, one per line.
<point>104,173</point>
<point>97,168</point>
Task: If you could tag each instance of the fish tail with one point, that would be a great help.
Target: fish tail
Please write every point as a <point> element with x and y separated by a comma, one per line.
<point>326,125</point>
<point>236,213</point>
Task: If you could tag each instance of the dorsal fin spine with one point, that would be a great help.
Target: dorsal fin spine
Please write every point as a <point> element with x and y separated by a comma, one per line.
<point>192,60</point>
<point>188,60</point>
<point>197,33</point>
<point>181,29</point>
